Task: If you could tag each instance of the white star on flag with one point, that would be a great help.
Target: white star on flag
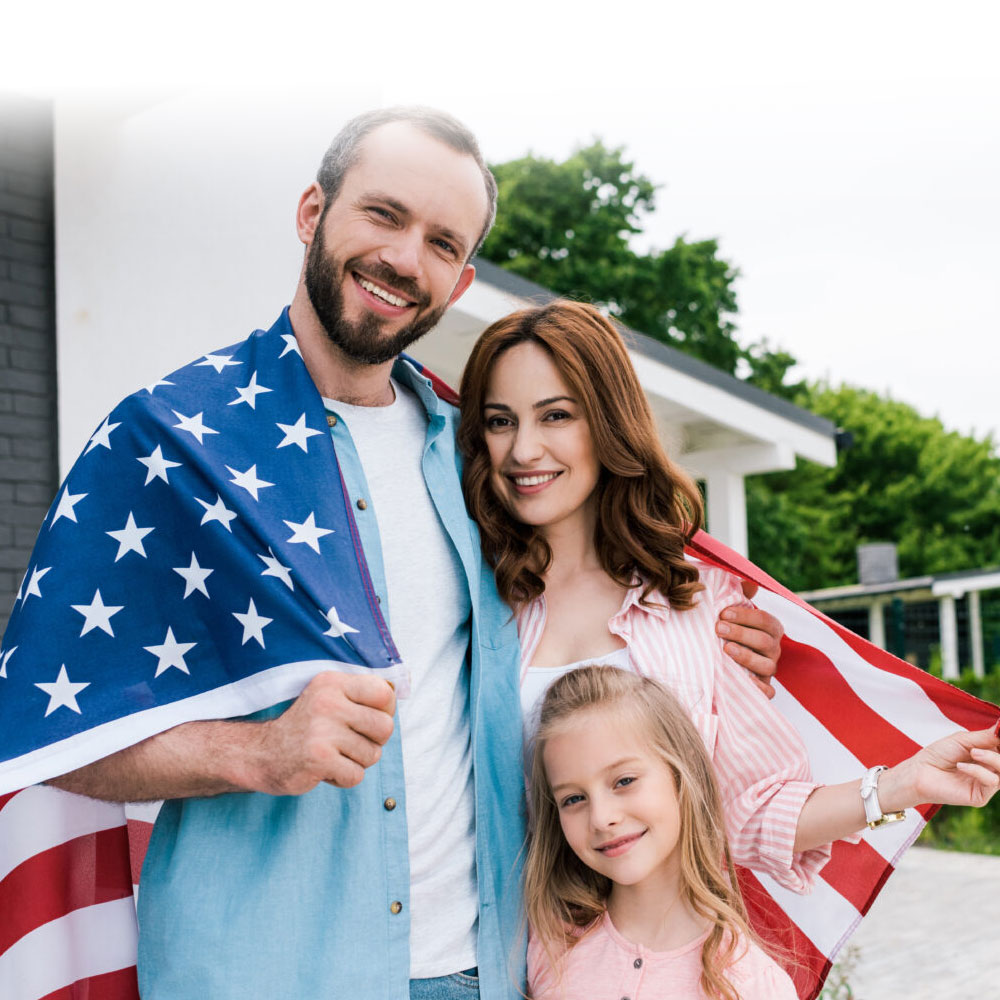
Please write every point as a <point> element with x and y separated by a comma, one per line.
<point>274,568</point>
<point>291,344</point>
<point>170,653</point>
<point>218,362</point>
<point>36,575</point>
<point>194,577</point>
<point>155,385</point>
<point>101,436</point>
<point>156,466</point>
<point>297,433</point>
<point>217,511</point>
<point>130,538</point>
<point>337,627</point>
<point>253,624</point>
<point>249,481</point>
<point>65,509</point>
<point>249,393</point>
<point>193,425</point>
<point>5,660</point>
<point>307,532</point>
<point>62,692</point>
<point>97,614</point>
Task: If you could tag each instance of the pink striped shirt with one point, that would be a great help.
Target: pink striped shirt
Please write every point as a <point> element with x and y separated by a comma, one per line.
<point>760,761</point>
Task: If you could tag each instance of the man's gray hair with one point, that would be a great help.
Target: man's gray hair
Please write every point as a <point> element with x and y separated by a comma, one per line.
<point>346,147</point>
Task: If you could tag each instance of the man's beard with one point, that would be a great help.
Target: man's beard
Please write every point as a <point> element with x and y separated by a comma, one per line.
<point>362,342</point>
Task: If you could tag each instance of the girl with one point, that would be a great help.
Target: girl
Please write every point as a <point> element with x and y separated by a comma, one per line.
<point>584,519</point>
<point>629,884</point>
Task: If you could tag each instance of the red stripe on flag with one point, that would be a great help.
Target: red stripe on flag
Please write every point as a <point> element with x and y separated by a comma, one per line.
<point>120,985</point>
<point>139,832</point>
<point>787,944</point>
<point>857,872</point>
<point>959,706</point>
<point>820,688</point>
<point>4,799</point>
<point>83,871</point>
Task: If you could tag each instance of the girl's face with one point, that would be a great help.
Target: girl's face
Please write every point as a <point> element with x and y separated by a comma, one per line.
<point>617,801</point>
<point>541,451</point>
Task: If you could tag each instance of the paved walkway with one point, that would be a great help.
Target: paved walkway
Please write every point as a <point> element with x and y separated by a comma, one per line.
<point>934,932</point>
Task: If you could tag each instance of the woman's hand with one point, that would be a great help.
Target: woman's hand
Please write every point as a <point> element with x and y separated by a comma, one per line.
<point>959,770</point>
<point>753,639</point>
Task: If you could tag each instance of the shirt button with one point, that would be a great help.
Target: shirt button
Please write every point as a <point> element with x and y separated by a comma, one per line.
<point>331,420</point>
<point>637,963</point>
<point>362,504</point>
<point>396,906</point>
<point>389,804</point>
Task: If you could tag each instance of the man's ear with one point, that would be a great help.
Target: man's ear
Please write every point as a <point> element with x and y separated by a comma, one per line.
<point>307,215</point>
<point>468,273</point>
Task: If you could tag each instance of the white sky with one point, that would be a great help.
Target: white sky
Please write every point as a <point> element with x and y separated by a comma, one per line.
<point>847,156</point>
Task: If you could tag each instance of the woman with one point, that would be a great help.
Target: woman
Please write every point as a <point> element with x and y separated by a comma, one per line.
<point>584,520</point>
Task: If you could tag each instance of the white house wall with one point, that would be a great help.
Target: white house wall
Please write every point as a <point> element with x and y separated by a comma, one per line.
<point>175,233</point>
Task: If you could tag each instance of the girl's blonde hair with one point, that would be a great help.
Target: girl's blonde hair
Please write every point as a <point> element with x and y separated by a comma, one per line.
<point>563,895</point>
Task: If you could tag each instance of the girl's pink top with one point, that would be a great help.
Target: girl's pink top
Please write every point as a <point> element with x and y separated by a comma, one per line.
<point>604,966</point>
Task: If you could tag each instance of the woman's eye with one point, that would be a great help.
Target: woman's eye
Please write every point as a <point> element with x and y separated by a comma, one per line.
<point>497,423</point>
<point>557,415</point>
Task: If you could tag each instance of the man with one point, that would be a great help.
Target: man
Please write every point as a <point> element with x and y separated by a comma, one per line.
<point>377,852</point>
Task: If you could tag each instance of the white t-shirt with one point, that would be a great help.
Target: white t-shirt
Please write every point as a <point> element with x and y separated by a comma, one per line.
<point>428,615</point>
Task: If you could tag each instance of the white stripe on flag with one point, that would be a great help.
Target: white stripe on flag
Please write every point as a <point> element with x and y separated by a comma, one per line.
<point>923,722</point>
<point>243,697</point>
<point>42,817</point>
<point>87,942</point>
<point>822,915</point>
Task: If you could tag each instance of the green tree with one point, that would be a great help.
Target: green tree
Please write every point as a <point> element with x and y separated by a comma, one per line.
<point>569,226</point>
<point>905,479</point>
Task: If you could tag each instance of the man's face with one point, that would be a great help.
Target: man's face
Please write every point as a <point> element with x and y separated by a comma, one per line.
<point>389,253</point>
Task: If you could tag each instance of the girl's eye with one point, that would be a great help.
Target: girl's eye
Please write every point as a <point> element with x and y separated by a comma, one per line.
<point>570,800</point>
<point>624,782</point>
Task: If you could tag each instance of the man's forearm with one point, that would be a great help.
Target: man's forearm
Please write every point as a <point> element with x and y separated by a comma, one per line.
<point>193,759</point>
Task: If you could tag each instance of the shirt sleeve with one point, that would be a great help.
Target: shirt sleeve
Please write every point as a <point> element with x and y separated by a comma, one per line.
<point>761,764</point>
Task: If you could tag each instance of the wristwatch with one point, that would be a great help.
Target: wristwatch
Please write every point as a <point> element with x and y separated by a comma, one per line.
<point>869,796</point>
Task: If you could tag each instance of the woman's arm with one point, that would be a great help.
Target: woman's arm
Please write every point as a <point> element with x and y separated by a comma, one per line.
<point>962,770</point>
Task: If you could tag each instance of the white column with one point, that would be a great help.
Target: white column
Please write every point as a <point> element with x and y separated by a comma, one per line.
<point>976,634</point>
<point>876,623</point>
<point>727,509</point>
<point>949,637</point>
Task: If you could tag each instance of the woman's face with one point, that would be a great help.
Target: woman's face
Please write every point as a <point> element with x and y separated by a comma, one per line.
<point>544,464</point>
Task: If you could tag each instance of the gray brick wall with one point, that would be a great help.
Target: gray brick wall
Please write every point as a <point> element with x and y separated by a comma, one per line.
<point>28,423</point>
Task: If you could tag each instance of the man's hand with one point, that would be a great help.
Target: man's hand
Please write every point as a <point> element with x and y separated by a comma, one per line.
<point>753,639</point>
<point>332,732</point>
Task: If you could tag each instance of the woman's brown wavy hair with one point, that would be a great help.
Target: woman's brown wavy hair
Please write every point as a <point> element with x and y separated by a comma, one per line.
<point>647,507</point>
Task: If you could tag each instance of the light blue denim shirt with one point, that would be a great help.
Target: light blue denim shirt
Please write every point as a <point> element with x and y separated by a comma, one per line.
<point>252,895</point>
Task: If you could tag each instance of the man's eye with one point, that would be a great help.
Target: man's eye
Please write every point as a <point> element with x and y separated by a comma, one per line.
<point>383,213</point>
<point>446,246</point>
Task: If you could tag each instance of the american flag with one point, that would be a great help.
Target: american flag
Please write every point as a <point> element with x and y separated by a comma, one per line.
<point>200,561</point>
<point>855,706</point>
<point>186,571</point>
